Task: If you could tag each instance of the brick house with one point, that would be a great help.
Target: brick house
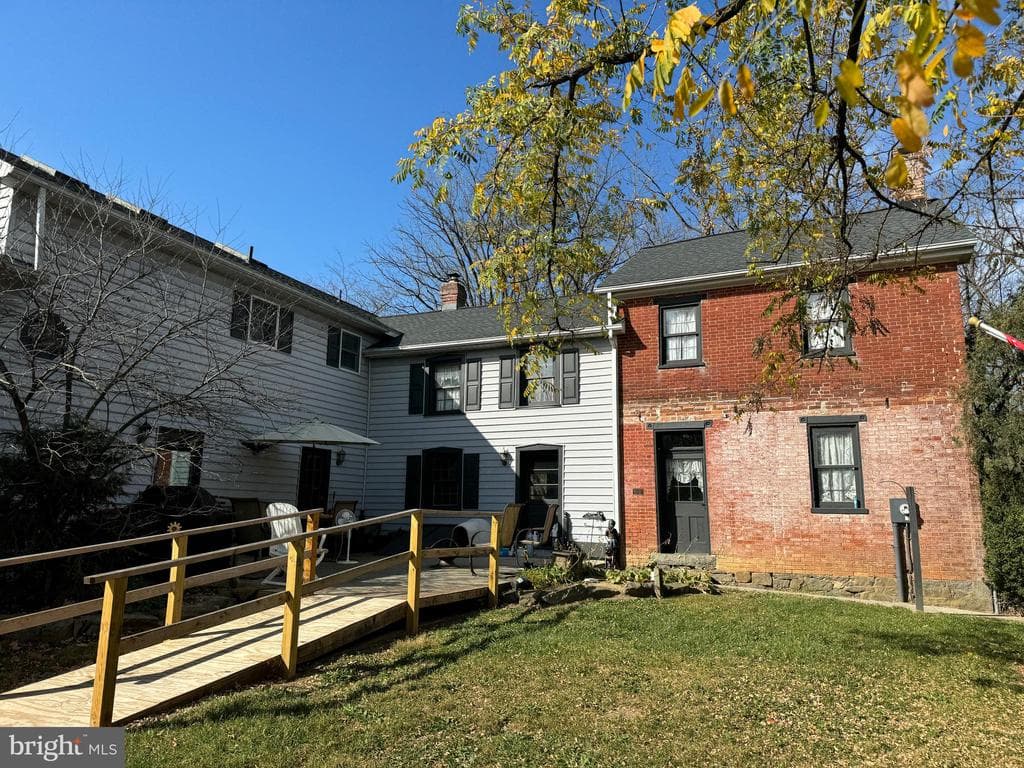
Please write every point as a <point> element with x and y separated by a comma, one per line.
<point>796,495</point>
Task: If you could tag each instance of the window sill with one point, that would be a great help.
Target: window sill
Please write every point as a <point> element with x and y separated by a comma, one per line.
<point>830,353</point>
<point>681,364</point>
<point>838,511</point>
<point>535,406</point>
<point>459,412</point>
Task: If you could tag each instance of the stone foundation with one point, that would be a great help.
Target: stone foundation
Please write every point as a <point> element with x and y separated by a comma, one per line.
<point>968,595</point>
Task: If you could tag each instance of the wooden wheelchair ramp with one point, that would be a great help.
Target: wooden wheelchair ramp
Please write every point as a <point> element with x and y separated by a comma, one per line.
<point>183,669</point>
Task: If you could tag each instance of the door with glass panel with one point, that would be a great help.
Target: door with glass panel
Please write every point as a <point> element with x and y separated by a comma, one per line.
<point>683,506</point>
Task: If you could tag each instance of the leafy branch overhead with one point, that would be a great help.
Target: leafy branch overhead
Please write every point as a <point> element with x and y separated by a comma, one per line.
<point>788,118</point>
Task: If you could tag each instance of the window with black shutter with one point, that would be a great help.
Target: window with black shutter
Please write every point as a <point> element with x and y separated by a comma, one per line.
<point>471,481</point>
<point>416,388</point>
<point>442,478</point>
<point>350,346</point>
<point>333,346</point>
<point>343,349</point>
<point>508,393</point>
<point>570,365</point>
<point>474,371</point>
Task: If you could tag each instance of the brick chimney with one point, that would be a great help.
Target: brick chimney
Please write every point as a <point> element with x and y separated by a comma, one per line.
<point>918,165</point>
<point>453,293</point>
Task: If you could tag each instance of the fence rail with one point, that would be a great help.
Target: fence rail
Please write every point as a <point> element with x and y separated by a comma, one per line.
<point>300,581</point>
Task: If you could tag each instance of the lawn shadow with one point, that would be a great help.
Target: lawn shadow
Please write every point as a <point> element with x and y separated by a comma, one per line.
<point>350,683</point>
<point>987,639</point>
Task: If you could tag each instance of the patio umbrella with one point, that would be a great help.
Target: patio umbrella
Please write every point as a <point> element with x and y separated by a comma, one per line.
<point>313,432</point>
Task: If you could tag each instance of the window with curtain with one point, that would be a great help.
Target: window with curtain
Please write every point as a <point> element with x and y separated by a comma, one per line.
<point>540,387</point>
<point>835,467</point>
<point>446,380</point>
<point>827,329</point>
<point>680,334</point>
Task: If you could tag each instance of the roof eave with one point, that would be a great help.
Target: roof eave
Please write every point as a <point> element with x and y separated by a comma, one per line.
<point>490,342</point>
<point>959,252</point>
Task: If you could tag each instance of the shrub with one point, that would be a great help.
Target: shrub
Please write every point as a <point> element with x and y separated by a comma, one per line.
<point>995,422</point>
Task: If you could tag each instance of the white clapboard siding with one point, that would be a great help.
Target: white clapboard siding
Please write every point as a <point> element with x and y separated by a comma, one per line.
<point>586,433</point>
<point>292,387</point>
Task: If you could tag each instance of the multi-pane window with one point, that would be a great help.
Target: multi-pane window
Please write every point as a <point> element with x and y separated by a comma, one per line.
<point>350,344</point>
<point>446,381</point>
<point>539,385</point>
<point>835,467</point>
<point>826,330</point>
<point>343,349</point>
<point>442,479</point>
<point>263,321</point>
<point>543,478</point>
<point>257,320</point>
<point>680,335</point>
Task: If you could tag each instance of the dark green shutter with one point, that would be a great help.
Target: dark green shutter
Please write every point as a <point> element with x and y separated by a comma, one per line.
<point>285,324</point>
<point>507,391</point>
<point>333,346</point>
<point>471,481</point>
<point>570,366</point>
<point>240,316</point>
<point>473,385</point>
<point>416,388</point>
<point>412,481</point>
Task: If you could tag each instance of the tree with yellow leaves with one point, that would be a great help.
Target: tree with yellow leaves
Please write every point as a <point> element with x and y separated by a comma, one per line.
<point>788,117</point>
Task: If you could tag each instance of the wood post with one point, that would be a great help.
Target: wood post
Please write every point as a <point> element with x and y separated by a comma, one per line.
<point>494,565</point>
<point>312,524</point>
<point>412,614</point>
<point>179,548</point>
<point>107,651</point>
<point>292,604</point>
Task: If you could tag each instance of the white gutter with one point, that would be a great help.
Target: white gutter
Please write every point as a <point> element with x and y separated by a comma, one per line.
<point>737,276</point>
<point>491,341</point>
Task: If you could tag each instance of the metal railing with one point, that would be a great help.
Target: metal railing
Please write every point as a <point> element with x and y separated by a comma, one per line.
<point>300,580</point>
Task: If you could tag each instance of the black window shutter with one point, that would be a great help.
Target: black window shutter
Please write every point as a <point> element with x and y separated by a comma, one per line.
<point>285,324</point>
<point>507,391</point>
<point>333,346</point>
<point>412,481</point>
<point>473,376</point>
<point>570,365</point>
<point>416,388</point>
<point>471,481</point>
<point>240,316</point>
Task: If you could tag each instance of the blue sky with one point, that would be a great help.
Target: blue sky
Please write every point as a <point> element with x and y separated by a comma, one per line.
<point>270,124</point>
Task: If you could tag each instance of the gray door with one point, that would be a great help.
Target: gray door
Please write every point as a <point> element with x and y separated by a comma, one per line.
<point>684,507</point>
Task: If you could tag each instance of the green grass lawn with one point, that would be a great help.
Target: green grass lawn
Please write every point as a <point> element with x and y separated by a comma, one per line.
<point>734,679</point>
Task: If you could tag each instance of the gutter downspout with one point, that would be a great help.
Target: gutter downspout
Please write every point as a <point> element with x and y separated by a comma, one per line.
<point>616,432</point>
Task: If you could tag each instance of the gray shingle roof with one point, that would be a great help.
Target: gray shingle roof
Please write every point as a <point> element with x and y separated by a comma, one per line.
<point>467,324</point>
<point>873,232</point>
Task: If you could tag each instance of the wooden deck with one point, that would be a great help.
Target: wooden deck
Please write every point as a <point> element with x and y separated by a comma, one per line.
<point>180,670</point>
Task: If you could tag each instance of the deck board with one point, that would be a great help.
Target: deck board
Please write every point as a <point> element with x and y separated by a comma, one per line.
<point>183,669</point>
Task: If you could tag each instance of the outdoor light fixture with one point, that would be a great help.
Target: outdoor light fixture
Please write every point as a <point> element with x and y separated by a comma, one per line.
<point>506,458</point>
<point>142,431</point>
<point>339,457</point>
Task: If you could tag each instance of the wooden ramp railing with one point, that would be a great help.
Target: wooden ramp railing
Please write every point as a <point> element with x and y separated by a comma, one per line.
<point>300,580</point>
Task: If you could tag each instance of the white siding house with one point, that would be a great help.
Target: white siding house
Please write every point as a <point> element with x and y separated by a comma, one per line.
<point>456,429</point>
<point>271,384</point>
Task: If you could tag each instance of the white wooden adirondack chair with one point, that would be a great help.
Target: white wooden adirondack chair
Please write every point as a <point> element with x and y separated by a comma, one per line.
<point>287,527</point>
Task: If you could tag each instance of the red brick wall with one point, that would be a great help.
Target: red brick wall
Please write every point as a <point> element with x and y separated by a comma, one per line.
<point>905,383</point>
